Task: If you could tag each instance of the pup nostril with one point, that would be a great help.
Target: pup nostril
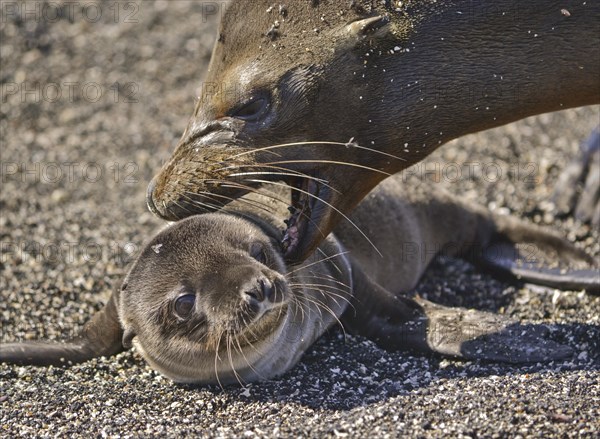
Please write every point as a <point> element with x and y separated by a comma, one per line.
<point>268,290</point>
<point>255,294</point>
<point>263,290</point>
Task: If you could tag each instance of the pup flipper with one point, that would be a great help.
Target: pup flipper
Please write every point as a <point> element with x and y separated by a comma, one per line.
<point>399,323</point>
<point>101,336</point>
<point>478,335</point>
<point>505,259</point>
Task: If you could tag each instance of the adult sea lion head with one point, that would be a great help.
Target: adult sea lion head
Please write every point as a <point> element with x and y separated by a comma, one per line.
<point>289,86</point>
<point>271,83</point>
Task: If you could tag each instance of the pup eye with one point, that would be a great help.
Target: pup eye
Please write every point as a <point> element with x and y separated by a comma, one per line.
<point>257,251</point>
<point>184,305</point>
<point>252,110</point>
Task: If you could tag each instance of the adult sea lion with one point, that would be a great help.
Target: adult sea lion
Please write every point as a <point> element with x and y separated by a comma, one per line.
<point>211,300</point>
<point>287,88</point>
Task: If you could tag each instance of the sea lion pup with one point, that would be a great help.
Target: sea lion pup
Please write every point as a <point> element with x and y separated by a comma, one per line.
<point>210,299</point>
<point>287,88</point>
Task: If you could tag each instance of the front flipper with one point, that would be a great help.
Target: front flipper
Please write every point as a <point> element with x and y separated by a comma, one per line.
<point>101,336</point>
<point>399,323</point>
<point>478,335</point>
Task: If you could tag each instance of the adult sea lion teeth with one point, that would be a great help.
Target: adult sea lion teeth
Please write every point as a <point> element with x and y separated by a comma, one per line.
<point>305,196</point>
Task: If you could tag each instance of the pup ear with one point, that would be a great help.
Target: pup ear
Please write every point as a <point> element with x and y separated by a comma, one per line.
<point>377,26</point>
<point>127,340</point>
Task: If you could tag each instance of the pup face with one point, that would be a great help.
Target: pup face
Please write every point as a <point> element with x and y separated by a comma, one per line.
<point>207,302</point>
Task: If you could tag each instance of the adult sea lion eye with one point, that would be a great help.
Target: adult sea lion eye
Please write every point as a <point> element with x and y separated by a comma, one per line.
<point>184,305</point>
<point>252,110</point>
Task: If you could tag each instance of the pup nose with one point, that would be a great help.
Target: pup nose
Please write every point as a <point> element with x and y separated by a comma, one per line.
<point>264,290</point>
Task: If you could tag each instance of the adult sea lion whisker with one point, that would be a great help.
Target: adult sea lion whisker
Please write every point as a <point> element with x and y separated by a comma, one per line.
<point>332,263</point>
<point>251,189</point>
<point>166,208</point>
<point>252,203</point>
<point>209,206</point>
<point>182,207</point>
<point>350,143</point>
<point>327,204</point>
<point>304,267</point>
<point>318,180</point>
<point>330,162</point>
<point>294,172</point>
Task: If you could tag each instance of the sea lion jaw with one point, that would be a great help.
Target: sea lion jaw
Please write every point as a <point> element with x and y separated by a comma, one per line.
<point>272,356</point>
<point>231,363</point>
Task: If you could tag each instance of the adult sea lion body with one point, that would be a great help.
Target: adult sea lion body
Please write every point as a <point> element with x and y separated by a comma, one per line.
<point>287,88</point>
<point>211,300</point>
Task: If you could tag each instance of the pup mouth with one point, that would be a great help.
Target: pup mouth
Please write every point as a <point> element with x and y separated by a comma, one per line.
<point>307,214</point>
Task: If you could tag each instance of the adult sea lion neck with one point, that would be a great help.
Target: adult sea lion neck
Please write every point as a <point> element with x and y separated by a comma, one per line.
<point>400,81</point>
<point>479,65</point>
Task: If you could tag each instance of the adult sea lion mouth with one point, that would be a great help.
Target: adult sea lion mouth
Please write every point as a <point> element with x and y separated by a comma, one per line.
<point>309,207</point>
